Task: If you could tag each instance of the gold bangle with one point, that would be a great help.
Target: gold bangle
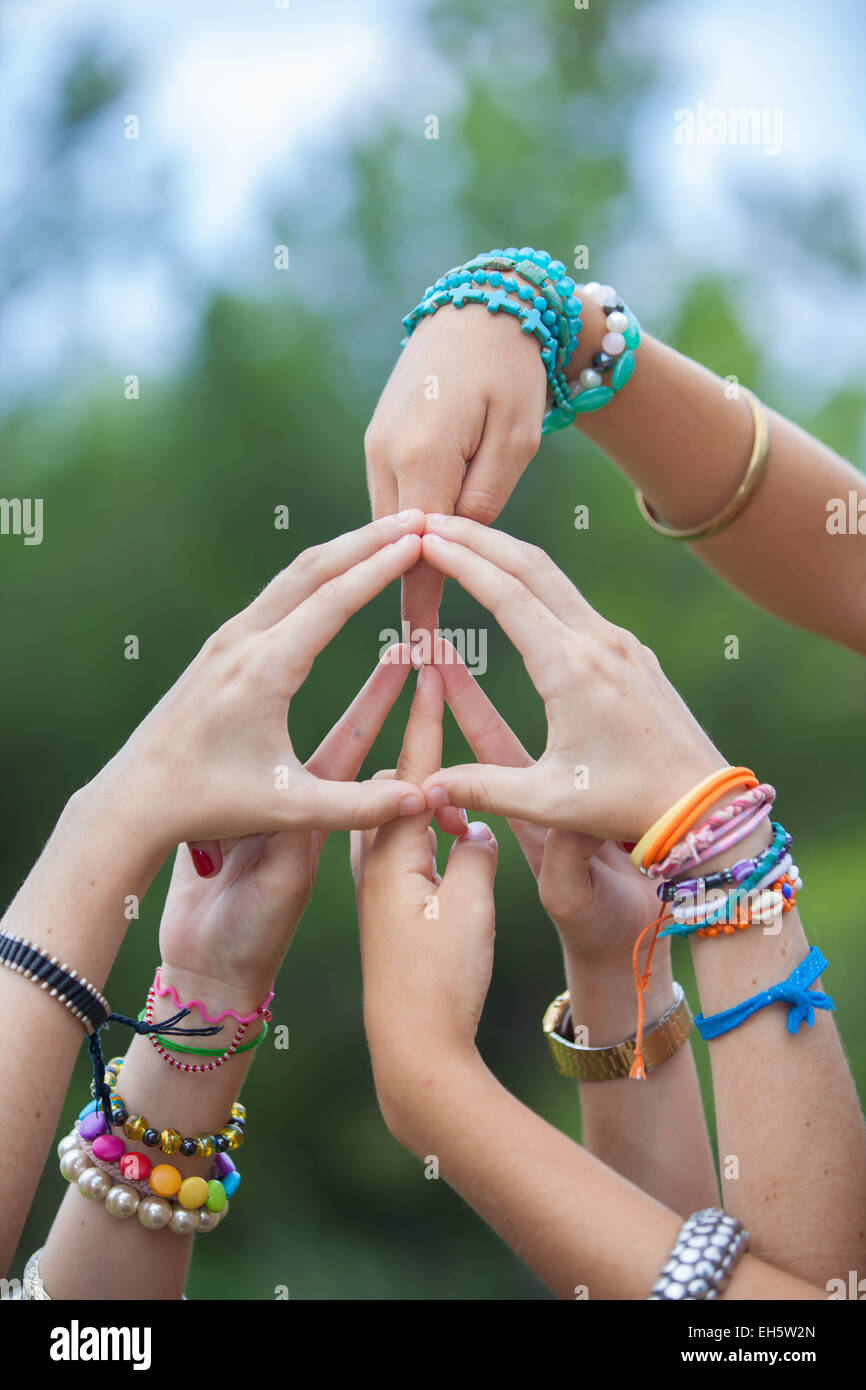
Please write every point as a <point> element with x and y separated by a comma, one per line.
<point>755,470</point>
<point>609,1063</point>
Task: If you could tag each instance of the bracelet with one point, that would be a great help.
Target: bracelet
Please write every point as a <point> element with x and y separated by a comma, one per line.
<point>136,1127</point>
<point>696,846</point>
<point>708,1248</point>
<point>134,1168</point>
<point>210,1051</point>
<point>158,988</point>
<point>755,470</point>
<point>659,840</point>
<point>32,1287</point>
<point>619,344</point>
<point>81,999</point>
<point>793,991</point>
<point>768,861</point>
<point>199,1208</point>
<point>166,1056</point>
<point>608,1063</point>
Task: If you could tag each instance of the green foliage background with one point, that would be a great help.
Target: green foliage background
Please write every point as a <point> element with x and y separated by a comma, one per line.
<point>159,522</point>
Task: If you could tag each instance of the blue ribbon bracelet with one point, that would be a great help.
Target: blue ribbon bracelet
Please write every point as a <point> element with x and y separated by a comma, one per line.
<point>794,991</point>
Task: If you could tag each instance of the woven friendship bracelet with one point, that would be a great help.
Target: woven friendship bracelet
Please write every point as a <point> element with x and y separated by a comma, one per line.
<point>793,991</point>
<point>81,999</point>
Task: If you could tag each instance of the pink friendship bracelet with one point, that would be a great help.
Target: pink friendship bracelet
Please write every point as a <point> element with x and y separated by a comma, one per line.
<point>162,990</point>
<point>692,848</point>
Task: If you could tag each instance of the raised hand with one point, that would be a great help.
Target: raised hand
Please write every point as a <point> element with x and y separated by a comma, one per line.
<point>464,448</point>
<point>622,746</point>
<point>214,759</point>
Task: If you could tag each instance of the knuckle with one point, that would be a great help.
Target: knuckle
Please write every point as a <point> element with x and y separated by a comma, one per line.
<point>478,504</point>
<point>307,560</point>
<point>524,438</point>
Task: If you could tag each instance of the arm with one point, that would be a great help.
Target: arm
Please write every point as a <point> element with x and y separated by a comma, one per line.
<point>165,786</point>
<point>598,905</point>
<point>585,1230</point>
<point>611,710</point>
<point>263,886</point>
<point>672,430</point>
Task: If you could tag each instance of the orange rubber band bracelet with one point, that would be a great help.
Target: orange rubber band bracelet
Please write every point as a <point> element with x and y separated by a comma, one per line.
<point>739,776</point>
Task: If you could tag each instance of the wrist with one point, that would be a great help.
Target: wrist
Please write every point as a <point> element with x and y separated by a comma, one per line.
<point>243,995</point>
<point>604,1001</point>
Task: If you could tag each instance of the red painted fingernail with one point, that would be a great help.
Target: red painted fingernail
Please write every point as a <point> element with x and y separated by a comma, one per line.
<point>203,863</point>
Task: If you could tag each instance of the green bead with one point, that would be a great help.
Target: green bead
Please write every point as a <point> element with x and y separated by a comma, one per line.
<point>216,1198</point>
<point>622,370</point>
<point>593,399</point>
<point>632,333</point>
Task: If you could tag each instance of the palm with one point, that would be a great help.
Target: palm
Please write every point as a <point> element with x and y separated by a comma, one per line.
<point>240,921</point>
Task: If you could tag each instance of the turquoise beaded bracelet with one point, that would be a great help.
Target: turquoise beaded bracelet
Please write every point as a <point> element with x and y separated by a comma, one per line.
<point>617,356</point>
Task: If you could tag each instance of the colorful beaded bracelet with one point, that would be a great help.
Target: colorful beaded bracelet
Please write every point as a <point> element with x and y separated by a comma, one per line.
<point>769,860</point>
<point>135,1168</point>
<point>168,1140</point>
<point>553,316</point>
<point>619,344</point>
<point>199,1207</point>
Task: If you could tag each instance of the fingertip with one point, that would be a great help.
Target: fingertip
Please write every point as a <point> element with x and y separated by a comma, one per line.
<point>479,833</point>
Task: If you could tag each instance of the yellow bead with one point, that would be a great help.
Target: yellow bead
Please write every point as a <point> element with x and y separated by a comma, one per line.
<point>205,1145</point>
<point>239,1112</point>
<point>169,1141</point>
<point>165,1179</point>
<point>234,1134</point>
<point>193,1193</point>
<point>135,1126</point>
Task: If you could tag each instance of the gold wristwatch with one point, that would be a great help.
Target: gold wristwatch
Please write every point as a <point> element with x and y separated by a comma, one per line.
<point>608,1063</point>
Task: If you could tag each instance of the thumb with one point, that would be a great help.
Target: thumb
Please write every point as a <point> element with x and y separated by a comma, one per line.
<point>501,791</point>
<point>328,805</point>
<point>472,866</point>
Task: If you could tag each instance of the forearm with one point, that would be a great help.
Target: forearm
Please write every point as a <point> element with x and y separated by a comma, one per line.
<point>585,1230</point>
<point>629,1124</point>
<point>684,442</point>
<point>792,1141</point>
<point>90,1254</point>
<point>72,906</point>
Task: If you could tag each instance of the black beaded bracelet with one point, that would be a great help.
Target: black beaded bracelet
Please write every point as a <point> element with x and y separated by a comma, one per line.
<point>83,1001</point>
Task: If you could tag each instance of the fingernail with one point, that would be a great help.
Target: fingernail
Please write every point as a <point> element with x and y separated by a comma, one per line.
<point>421,670</point>
<point>464,820</point>
<point>479,832</point>
<point>203,863</point>
<point>411,805</point>
<point>416,656</point>
<point>439,518</point>
<point>402,516</point>
<point>436,797</point>
<point>435,540</point>
<point>405,541</point>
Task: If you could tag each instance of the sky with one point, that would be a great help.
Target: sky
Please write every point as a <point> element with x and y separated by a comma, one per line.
<point>231,96</point>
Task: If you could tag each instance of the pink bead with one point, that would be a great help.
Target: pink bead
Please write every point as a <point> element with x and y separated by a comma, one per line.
<point>613,343</point>
<point>108,1147</point>
<point>92,1125</point>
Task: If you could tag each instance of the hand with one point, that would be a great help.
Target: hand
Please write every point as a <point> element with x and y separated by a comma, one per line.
<point>426,941</point>
<point>213,760</point>
<point>234,927</point>
<point>589,887</point>
<point>622,747</point>
<point>488,414</point>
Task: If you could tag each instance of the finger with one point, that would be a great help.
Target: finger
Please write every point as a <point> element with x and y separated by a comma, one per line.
<point>528,563</point>
<point>488,735</point>
<point>382,487</point>
<point>206,857</point>
<point>342,751</point>
<point>421,753</point>
<point>312,803</point>
<point>471,866</point>
<point>507,448</point>
<point>564,882</point>
<point>533,628</point>
<point>420,597</point>
<point>299,638</point>
<point>314,567</point>
<point>501,791</point>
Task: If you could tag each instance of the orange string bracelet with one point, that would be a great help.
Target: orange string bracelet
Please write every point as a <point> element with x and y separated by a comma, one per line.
<point>637,1070</point>
<point>697,803</point>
